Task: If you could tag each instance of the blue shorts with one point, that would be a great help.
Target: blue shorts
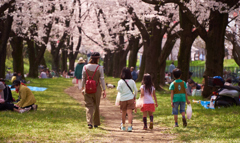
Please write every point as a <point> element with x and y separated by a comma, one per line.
<point>175,108</point>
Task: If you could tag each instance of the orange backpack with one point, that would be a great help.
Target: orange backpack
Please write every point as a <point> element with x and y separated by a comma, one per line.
<point>91,86</point>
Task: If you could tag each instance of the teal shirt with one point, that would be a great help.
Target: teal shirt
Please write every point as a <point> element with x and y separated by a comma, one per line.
<point>78,71</point>
<point>178,97</point>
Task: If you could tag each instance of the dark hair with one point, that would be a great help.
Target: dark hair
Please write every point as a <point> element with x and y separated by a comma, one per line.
<point>94,58</point>
<point>190,81</point>
<point>16,82</point>
<point>147,82</point>
<point>14,74</point>
<point>177,73</point>
<point>126,73</point>
<point>229,80</point>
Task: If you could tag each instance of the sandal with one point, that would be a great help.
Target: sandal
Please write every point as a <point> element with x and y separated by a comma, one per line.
<point>184,122</point>
<point>145,128</point>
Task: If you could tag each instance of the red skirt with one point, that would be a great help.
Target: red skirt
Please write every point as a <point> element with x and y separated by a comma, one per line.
<point>148,107</point>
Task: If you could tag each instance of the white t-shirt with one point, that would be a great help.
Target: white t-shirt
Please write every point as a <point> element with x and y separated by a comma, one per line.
<point>147,98</point>
<point>125,92</point>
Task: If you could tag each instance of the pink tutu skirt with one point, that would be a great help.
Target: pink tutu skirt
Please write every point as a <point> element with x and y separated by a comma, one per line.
<point>148,107</point>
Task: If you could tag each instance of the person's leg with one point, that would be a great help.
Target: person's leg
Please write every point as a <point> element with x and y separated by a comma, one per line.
<point>175,112</point>
<point>145,120</point>
<point>97,99</point>
<point>182,111</point>
<point>130,117</point>
<point>151,119</point>
<point>89,104</point>
<point>124,112</point>
<point>79,84</point>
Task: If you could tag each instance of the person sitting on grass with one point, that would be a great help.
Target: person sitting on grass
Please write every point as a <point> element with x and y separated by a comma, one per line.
<point>9,106</point>
<point>7,92</point>
<point>178,96</point>
<point>27,98</point>
<point>127,99</point>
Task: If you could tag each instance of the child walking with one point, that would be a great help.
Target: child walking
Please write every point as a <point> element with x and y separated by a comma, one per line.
<point>178,96</point>
<point>127,99</point>
<point>147,93</point>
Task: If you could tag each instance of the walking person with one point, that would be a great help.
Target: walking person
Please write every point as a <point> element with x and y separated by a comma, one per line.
<point>126,86</point>
<point>148,93</point>
<point>78,72</point>
<point>178,96</point>
<point>92,71</point>
<point>171,68</point>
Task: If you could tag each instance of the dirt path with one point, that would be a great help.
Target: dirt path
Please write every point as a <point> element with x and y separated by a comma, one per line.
<point>112,121</point>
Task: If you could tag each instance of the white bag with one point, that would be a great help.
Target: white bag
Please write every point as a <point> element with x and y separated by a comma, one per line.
<point>189,111</point>
<point>139,103</point>
<point>74,81</point>
<point>117,99</point>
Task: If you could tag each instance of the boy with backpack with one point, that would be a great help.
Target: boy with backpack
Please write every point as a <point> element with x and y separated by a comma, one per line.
<point>178,96</point>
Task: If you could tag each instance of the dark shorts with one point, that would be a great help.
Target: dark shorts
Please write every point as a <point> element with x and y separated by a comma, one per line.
<point>129,104</point>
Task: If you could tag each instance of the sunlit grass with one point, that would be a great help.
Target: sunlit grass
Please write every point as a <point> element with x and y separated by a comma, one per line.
<point>206,125</point>
<point>58,118</point>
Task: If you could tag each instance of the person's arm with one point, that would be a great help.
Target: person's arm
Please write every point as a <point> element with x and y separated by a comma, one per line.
<point>119,87</point>
<point>102,81</point>
<point>135,90</point>
<point>188,102</point>
<point>172,98</point>
<point>22,99</point>
<point>186,96</point>
<point>155,98</point>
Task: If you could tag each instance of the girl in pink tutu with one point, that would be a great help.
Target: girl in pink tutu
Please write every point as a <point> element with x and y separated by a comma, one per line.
<point>147,93</point>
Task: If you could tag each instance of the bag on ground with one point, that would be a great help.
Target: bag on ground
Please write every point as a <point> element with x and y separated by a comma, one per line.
<point>189,111</point>
<point>139,103</point>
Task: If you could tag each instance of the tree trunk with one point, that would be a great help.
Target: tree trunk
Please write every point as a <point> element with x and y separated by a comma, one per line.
<point>187,39</point>
<point>116,61</point>
<point>153,54</point>
<point>55,57</point>
<point>5,28</point>
<point>64,60</point>
<point>236,54</point>
<point>143,62</point>
<point>105,64</point>
<point>110,63</point>
<point>215,48</point>
<point>132,61</point>
<point>33,67</point>
<point>17,54</point>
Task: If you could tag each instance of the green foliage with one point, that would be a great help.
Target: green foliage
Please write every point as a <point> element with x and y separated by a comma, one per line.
<point>9,64</point>
<point>59,117</point>
<point>227,63</point>
<point>206,125</point>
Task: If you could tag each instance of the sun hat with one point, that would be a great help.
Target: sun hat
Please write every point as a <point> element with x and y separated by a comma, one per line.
<point>80,60</point>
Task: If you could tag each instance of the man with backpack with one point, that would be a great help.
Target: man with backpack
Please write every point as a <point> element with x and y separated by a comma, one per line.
<point>92,78</point>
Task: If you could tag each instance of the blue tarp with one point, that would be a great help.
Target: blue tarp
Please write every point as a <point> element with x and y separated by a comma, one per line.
<point>32,88</point>
<point>206,104</point>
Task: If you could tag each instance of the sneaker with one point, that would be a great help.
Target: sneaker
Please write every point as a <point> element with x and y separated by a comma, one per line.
<point>90,126</point>
<point>129,129</point>
<point>34,107</point>
<point>151,125</point>
<point>176,126</point>
<point>145,128</point>
<point>123,128</point>
<point>24,110</point>
<point>184,122</point>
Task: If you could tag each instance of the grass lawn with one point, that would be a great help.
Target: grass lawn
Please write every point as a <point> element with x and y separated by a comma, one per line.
<point>206,125</point>
<point>59,117</point>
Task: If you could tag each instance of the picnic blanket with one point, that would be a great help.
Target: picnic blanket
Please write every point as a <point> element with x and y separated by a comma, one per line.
<point>206,104</point>
<point>33,88</point>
